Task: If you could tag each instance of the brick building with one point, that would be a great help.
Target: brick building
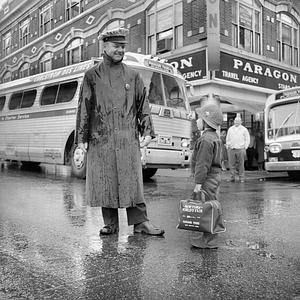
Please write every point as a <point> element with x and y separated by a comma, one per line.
<point>236,51</point>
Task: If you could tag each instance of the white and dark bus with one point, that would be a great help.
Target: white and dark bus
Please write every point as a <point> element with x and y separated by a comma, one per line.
<point>282,132</point>
<point>38,116</point>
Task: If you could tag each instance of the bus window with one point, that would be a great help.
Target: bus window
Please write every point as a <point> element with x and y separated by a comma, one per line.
<point>15,101</point>
<point>28,98</point>
<point>2,102</point>
<point>59,93</point>
<point>49,95</point>
<point>153,84</point>
<point>173,93</point>
<point>66,91</point>
<point>22,99</point>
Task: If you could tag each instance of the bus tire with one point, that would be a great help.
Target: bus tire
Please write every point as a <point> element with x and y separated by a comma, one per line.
<point>78,162</point>
<point>149,172</point>
<point>294,175</point>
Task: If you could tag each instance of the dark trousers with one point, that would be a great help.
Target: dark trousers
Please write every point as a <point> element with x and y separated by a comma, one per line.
<point>135,215</point>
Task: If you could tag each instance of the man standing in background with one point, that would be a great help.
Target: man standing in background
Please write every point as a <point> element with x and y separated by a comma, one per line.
<point>237,141</point>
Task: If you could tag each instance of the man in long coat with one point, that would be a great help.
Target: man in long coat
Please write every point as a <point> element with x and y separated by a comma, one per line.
<point>112,112</point>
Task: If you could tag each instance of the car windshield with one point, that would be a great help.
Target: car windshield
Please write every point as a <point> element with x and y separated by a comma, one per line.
<point>164,89</point>
<point>284,119</point>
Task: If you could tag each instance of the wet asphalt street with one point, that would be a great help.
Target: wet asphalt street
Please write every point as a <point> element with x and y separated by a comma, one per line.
<point>50,248</point>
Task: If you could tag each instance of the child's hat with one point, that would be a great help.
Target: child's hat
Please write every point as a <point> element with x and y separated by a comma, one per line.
<point>211,114</point>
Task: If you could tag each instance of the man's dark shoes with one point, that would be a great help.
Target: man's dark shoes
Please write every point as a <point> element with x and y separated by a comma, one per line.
<point>147,228</point>
<point>109,229</point>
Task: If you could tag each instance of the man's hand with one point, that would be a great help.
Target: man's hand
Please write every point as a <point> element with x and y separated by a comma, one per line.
<point>198,188</point>
<point>83,146</point>
<point>146,141</point>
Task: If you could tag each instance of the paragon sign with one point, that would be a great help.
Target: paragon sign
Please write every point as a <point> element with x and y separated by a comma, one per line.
<point>191,66</point>
<point>245,71</point>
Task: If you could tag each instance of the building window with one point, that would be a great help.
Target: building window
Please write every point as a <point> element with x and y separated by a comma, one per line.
<point>6,77</point>
<point>46,19</point>
<point>73,8</point>
<point>24,70</point>
<point>246,25</point>
<point>113,25</point>
<point>7,43</point>
<point>74,52</point>
<point>24,33</point>
<point>164,26</point>
<point>46,62</point>
<point>287,40</point>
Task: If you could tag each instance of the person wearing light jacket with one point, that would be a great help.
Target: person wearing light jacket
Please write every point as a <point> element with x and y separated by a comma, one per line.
<point>237,142</point>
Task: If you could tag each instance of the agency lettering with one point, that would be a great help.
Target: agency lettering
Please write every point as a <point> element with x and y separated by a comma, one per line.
<point>258,69</point>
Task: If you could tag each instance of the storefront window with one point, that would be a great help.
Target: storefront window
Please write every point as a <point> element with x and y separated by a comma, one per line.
<point>287,40</point>
<point>46,19</point>
<point>74,52</point>
<point>246,25</point>
<point>164,26</point>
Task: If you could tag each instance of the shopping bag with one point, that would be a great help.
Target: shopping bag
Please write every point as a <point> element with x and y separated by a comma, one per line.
<point>196,215</point>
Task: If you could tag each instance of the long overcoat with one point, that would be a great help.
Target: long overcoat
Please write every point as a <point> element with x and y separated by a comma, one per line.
<point>112,111</point>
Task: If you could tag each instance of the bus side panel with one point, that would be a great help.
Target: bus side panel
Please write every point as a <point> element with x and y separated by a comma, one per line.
<point>55,131</point>
<point>15,141</point>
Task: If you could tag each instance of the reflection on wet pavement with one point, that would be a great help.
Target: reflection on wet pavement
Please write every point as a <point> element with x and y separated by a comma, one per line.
<point>50,247</point>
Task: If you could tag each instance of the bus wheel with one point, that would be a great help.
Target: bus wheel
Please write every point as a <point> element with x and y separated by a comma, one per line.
<point>148,173</point>
<point>78,162</point>
<point>294,175</point>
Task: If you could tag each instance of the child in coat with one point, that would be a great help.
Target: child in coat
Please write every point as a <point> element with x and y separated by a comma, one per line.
<point>206,164</point>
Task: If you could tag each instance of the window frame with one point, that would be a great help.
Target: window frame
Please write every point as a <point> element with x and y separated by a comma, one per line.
<point>58,91</point>
<point>24,31</point>
<point>176,26</point>
<point>71,48</point>
<point>7,43</point>
<point>2,102</point>
<point>70,7</point>
<point>22,70</point>
<point>44,59</point>
<point>20,105</point>
<point>43,23</point>
<point>6,78</point>
<point>253,31</point>
<point>294,45</point>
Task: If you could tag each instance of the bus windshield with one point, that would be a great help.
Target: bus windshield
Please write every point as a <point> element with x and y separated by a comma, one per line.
<point>164,90</point>
<point>284,119</point>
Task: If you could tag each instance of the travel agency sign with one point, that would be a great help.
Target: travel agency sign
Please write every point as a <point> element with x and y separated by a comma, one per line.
<point>191,66</point>
<point>238,69</point>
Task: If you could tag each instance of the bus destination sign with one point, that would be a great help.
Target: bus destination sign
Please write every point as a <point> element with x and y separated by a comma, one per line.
<point>70,70</point>
<point>288,94</point>
<point>158,65</point>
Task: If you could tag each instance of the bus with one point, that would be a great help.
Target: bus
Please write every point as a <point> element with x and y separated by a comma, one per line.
<point>38,116</point>
<point>282,132</point>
